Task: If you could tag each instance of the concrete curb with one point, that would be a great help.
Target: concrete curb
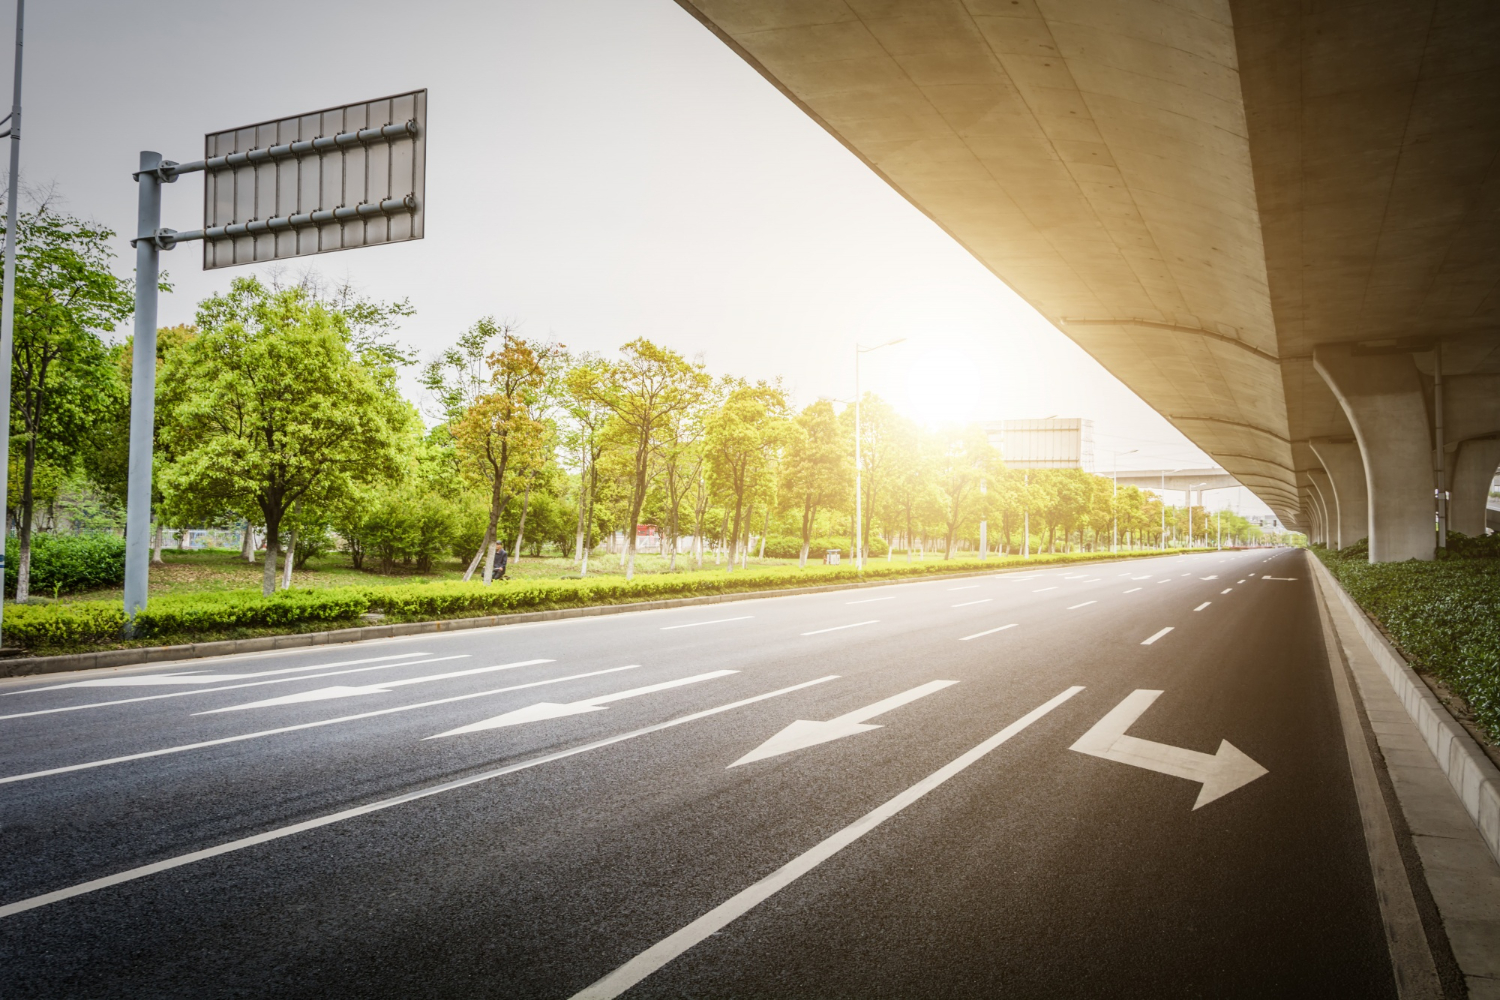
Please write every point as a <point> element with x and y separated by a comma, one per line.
<point>1469,771</point>
<point>110,658</point>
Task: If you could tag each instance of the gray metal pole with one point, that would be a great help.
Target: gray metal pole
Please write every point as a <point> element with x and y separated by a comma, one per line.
<point>7,310</point>
<point>142,387</point>
<point>859,527</point>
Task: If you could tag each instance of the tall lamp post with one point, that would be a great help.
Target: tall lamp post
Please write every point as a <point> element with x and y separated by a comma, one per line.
<point>8,309</point>
<point>1114,545</point>
<point>859,521</point>
<point>1164,509</point>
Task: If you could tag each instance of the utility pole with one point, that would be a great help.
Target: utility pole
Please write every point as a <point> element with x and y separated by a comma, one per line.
<point>8,309</point>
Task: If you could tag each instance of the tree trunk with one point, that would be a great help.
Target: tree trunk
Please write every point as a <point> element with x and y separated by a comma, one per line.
<point>521,527</point>
<point>156,540</point>
<point>273,547</point>
<point>291,557</point>
<point>764,532</point>
<point>23,568</point>
<point>247,544</point>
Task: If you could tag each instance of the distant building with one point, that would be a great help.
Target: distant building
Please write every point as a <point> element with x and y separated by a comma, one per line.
<point>1054,443</point>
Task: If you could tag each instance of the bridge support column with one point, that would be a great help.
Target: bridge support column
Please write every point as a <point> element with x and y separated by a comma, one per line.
<point>1381,394</point>
<point>1473,471</point>
<point>1333,515</point>
<point>1346,475</point>
<point>1314,515</point>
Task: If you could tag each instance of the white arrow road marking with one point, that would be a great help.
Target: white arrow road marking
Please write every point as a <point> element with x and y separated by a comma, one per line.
<point>231,687</point>
<point>1147,642</point>
<point>1220,773</point>
<point>552,710</point>
<point>190,677</point>
<point>743,902</point>
<point>183,748</point>
<point>990,631</point>
<point>802,734</point>
<point>119,878</point>
<point>716,621</point>
<point>384,687</point>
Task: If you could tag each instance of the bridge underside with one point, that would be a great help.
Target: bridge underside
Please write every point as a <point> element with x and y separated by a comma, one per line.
<point>1278,223</point>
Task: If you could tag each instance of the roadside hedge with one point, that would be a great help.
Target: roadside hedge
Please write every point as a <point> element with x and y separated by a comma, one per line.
<point>63,564</point>
<point>1443,615</point>
<point>71,627</point>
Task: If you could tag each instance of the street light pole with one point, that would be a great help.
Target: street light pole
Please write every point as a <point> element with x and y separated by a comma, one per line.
<point>8,309</point>
<point>859,523</point>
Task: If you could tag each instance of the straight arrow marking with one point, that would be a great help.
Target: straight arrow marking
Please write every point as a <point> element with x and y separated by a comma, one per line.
<point>803,733</point>
<point>552,710</point>
<point>1220,773</point>
<point>384,687</point>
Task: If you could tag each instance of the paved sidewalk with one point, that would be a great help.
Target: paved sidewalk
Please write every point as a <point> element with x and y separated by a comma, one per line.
<point>1460,871</point>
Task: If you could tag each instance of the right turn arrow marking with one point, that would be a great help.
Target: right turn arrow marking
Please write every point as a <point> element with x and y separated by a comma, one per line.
<point>802,733</point>
<point>1220,773</point>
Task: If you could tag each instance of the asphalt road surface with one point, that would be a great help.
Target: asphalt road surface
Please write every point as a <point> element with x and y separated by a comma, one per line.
<point>921,790</point>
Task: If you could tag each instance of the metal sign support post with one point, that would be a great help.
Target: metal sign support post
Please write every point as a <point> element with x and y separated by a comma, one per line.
<point>143,385</point>
<point>8,309</point>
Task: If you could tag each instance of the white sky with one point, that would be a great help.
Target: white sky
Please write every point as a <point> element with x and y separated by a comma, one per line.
<point>598,170</point>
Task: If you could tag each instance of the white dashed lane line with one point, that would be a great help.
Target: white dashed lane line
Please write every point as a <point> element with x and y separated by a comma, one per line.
<point>1203,605</point>
<point>1083,605</point>
<point>1132,590</point>
<point>991,631</point>
<point>1147,642</point>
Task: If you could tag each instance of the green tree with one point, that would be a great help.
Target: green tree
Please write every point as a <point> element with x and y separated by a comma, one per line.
<point>275,408</point>
<point>743,436</point>
<point>63,381</point>
<point>819,467</point>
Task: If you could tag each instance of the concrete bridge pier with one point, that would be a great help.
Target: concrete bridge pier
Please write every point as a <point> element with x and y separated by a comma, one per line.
<point>1473,470</point>
<point>1333,515</point>
<point>1346,478</point>
<point>1381,394</point>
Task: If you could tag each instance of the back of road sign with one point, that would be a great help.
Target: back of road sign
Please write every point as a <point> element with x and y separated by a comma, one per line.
<point>345,177</point>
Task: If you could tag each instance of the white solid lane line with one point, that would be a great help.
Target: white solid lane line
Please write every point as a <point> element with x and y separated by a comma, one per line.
<point>93,885</point>
<point>1203,605</point>
<point>88,765</point>
<point>1083,605</point>
<point>820,631</point>
<point>1132,590</point>
<point>871,600</point>
<point>804,733</point>
<point>552,710</point>
<point>229,687</point>
<point>1158,635</point>
<point>189,677</point>
<point>715,621</point>
<point>1038,591</point>
<point>982,600</point>
<point>343,691</point>
<point>714,920</point>
<point>991,631</point>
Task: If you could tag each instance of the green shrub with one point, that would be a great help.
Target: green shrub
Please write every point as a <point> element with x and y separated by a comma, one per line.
<point>790,547</point>
<point>1444,615</point>
<point>63,564</point>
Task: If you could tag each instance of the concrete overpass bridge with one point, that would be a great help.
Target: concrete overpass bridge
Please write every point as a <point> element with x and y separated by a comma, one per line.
<point>1187,481</point>
<point>1278,223</point>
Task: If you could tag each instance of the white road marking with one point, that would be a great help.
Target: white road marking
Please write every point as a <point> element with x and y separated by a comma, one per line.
<point>1076,576</point>
<point>1226,590</point>
<point>803,733</point>
<point>342,691</point>
<point>1083,605</point>
<point>1203,605</point>
<point>1211,576</point>
<point>1187,574</point>
<point>1042,589</point>
<point>1132,590</point>
<point>89,765</point>
<point>93,885</point>
<point>820,631</point>
<point>1163,581</point>
<point>1094,580</point>
<point>1239,581</point>
<point>1220,773</point>
<point>716,621</point>
<point>1146,577</point>
<point>972,586</point>
<point>190,677</point>
<point>714,920</point>
<point>552,710</point>
<point>982,600</point>
<point>229,687</point>
<point>1158,635</point>
<point>872,600</point>
<point>991,631</point>
<point>1278,578</point>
